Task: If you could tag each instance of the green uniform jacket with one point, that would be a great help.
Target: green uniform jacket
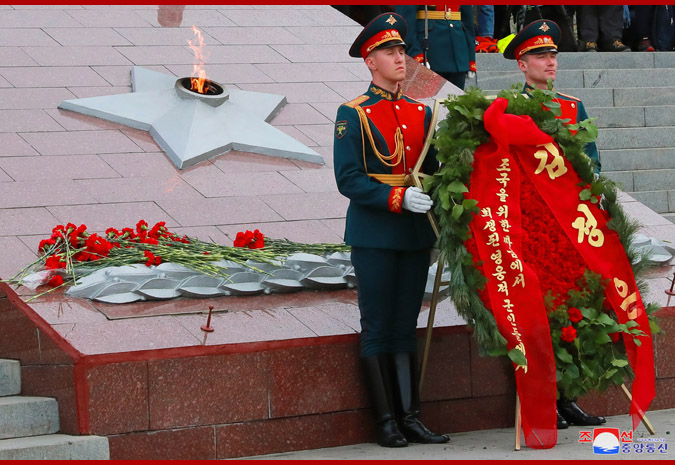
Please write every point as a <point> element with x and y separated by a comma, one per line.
<point>452,43</point>
<point>375,217</point>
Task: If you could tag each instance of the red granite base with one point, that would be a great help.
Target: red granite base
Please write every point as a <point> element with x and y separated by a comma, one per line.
<point>207,402</point>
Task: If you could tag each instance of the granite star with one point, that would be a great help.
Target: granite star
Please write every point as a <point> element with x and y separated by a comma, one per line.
<point>190,128</point>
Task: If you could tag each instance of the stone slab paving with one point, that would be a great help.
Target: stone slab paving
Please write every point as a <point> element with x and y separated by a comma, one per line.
<point>57,166</point>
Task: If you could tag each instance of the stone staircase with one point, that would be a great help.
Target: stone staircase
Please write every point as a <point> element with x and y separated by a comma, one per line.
<point>633,97</point>
<point>29,426</point>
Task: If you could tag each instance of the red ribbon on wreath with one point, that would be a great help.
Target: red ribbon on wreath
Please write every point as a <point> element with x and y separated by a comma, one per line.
<point>513,287</point>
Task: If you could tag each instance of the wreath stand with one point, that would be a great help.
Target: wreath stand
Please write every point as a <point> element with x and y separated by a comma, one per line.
<point>415,179</point>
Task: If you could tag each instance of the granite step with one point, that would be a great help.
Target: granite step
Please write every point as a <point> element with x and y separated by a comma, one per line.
<point>638,159</point>
<point>632,78</point>
<point>629,117</point>
<point>636,79</point>
<point>55,447</point>
<point>602,97</point>
<point>22,416</point>
<point>636,138</point>
<point>493,81</point>
<point>10,377</point>
<point>585,61</point>
<point>669,216</point>
<point>643,180</point>
<point>656,200</point>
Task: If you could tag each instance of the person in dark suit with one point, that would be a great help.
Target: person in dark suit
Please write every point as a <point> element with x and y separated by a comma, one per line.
<point>442,36</point>
<point>535,49</point>
<point>379,137</point>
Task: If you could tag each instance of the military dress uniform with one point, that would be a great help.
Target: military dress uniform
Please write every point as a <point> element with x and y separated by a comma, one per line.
<point>572,109</point>
<point>542,36</point>
<point>378,140</point>
<point>379,137</point>
<point>451,38</point>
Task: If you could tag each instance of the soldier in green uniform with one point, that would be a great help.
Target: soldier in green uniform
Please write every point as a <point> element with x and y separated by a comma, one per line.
<point>378,139</point>
<point>535,48</point>
<point>442,37</point>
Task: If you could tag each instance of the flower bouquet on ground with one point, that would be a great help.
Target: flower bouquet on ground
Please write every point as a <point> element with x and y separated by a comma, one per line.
<point>72,252</point>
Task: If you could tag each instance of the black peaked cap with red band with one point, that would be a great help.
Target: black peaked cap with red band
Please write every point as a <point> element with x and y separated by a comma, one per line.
<point>539,36</point>
<point>385,30</point>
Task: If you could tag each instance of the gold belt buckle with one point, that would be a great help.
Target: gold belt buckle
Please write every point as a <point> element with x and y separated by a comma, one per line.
<point>447,15</point>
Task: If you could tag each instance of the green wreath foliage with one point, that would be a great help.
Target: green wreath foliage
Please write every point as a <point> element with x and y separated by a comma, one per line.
<point>590,362</point>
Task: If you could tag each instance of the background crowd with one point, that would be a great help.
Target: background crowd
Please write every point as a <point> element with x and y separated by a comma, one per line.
<point>587,28</point>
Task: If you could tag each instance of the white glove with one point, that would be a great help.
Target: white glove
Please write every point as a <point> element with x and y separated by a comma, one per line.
<point>416,201</point>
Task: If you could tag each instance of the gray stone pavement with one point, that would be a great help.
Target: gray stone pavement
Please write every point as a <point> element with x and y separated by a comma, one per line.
<point>498,444</point>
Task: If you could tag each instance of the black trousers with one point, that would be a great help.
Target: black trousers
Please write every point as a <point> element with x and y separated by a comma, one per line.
<point>391,289</point>
<point>600,23</point>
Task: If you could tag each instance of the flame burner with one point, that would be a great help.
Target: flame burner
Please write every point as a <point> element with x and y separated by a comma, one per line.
<point>214,94</point>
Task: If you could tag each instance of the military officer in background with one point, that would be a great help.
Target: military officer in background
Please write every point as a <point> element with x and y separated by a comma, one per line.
<point>535,49</point>
<point>442,37</point>
<point>378,139</point>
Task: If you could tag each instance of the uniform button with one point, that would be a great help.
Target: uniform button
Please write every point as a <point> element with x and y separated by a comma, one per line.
<point>572,105</point>
<point>452,25</point>
<point>420,108</point>
<point>407,148</point>
<point>397,107</point>
<point>367,110</point>
<point>404,126</point>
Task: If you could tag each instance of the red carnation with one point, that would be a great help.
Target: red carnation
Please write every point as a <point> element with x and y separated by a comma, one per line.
<point>569,334</point>
<point>56,280</point>
<point>575,315</point>
<point>150,256</point>
<point>45,243</point>
<point>258,240</point>
<point>54,262</point>
<point>251,239</point>
<point>142,226</point>
<point>112,233</point>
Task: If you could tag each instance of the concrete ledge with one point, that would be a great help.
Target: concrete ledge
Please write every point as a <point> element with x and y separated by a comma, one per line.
<point>10,378</point>
<point>55,447</point>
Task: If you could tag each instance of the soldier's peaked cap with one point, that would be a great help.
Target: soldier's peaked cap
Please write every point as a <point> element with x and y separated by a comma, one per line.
<point>539,36</point>
<point>385,30</point>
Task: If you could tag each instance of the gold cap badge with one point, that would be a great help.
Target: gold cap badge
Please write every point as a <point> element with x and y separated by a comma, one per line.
<point>544,27</point>
<point>391,20</point>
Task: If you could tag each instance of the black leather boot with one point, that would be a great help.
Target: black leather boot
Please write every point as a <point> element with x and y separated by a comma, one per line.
<point>408,402</point>
<point>379,382</point>
<point>562,423</point>
<point>573,414</point>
